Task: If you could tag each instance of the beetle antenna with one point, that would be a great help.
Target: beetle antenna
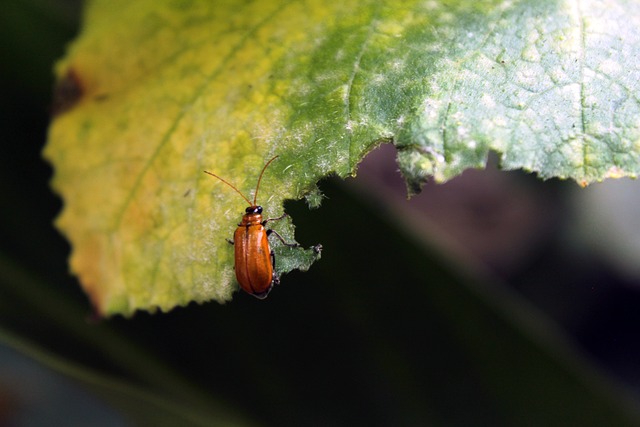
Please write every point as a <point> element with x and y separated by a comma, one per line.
<point>230,185</point>
<point>255,196</point>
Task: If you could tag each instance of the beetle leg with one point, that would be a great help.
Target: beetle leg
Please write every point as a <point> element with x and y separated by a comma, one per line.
<point>275,279</point>
<point>291,245</point>
<point>284,215</point>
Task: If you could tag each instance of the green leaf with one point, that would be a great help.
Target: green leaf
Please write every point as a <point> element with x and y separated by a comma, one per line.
<point>418,336</point>
<point>151,94</point>
<point>551,86</point>
<point>139,405</point>
<point>167,398</point>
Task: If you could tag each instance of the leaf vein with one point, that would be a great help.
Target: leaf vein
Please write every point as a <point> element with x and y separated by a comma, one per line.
<point>350,83</point>
<point>198,92</point>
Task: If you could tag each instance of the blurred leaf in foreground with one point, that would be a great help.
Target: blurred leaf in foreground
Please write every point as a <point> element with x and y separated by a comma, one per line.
<point>151,94</point>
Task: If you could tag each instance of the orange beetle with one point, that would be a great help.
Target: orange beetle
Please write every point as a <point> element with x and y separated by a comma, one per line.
<point>254,259</point>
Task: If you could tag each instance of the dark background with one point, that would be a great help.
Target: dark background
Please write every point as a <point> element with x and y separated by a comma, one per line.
<point>375,333</point>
